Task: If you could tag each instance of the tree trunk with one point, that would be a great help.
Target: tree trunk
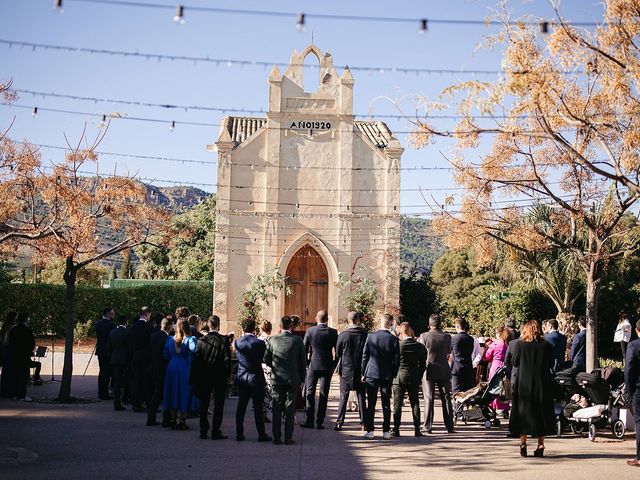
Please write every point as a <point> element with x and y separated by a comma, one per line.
<point>594,280</point>
<point>567,323</point>
<point>70,274</point>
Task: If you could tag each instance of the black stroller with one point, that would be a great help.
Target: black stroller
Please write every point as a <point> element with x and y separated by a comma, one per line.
<point>475,405</point>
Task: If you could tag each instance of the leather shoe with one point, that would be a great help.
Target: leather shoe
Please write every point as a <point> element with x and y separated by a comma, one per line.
<point>277,441</point>
<point>265,438</point>
<point>633,463</point>
<point>239,438</point>
<point>204,436</point>
<point>418,433</point>
<point>306,425</point>
<point>338,427</point>
<point>218,436</point>
<point>291,441</point>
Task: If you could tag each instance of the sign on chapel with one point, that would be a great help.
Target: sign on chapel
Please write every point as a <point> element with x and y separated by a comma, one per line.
<point>310,190</point>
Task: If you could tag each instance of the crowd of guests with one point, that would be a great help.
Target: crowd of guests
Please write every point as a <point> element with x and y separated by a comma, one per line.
<point>181,364</point>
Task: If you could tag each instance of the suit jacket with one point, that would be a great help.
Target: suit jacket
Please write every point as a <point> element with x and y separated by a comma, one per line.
<point>512,371</point>
<point>157,364</point>
<point>250,352</point>
<point>140,336</point>
<point>632,368</point>
<point>120,346</point>
<point>579,349</point>
<point>103,329</point>
<point>20,343</point>
<point>381,356</point>
<point>320,341</point>
<point>462,352</point>
<point>211,362</point>
<point>438,345</point>
<point>349,348</point>
<point>285,356</point>
<point>413,358</point>
<point>559,343</point>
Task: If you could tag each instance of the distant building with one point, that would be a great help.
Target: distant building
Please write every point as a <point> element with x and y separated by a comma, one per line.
<point>310,190</point>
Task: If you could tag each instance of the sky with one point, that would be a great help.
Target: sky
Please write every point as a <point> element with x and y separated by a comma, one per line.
<point>260,38</point>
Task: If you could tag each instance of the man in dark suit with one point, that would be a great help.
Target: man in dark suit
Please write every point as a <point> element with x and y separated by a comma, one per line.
<point>120,352</point>
<point>579,347</point>
<point>20,344</point>
<point>558,340</point>
<point>140,385</point>
<point>462,374</point>
<point>250,379</point>
<point>632,380</point>
<point>438,374</point>
<point>412,366</point>
<point>103,329</point>
<point>157,369</point>
<point>285,356</point>
<point>210,372</point>
<point>380,363</point>
<point>349,347</point>
<point>320,343</point>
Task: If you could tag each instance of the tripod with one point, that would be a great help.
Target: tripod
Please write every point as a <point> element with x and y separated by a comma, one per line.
<point>53,378</point>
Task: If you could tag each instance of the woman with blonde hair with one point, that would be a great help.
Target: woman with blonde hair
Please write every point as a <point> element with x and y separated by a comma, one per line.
<point>178,350</point>
<point>532,412</point>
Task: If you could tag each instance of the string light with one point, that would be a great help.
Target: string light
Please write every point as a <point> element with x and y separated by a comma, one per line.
<point>300,22</point>
<point>544,27</point>
<point>179,16</point>
<point>172,127</point>
<point>34,114</point>
<point>103,122</point>
<point>57,5</point>
<point>423,26</point>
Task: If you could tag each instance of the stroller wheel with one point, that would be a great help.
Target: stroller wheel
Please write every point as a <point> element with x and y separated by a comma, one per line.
<point>488,423</point>
<point>618,429</point>
<point>496,422</point>
<point>592,432</point>
<point>558,428</point>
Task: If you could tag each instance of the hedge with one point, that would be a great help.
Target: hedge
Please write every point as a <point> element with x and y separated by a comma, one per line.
<point>42,300</point>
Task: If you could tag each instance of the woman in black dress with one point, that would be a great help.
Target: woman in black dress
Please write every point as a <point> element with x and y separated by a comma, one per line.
<point>532,412</point>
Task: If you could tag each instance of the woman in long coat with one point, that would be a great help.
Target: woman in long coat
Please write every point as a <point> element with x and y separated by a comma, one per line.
<point>532,412</point>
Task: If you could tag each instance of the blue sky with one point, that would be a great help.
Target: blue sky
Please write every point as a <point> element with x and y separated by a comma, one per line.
<point>242,37</point>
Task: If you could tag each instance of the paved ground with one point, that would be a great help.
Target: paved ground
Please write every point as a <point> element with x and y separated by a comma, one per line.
<point>90,440</point>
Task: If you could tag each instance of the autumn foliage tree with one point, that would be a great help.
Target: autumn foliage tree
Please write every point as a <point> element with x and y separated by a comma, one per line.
<point>564,125</point>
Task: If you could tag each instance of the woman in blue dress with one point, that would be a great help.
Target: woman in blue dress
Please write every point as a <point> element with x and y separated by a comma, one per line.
<point>178,350</point>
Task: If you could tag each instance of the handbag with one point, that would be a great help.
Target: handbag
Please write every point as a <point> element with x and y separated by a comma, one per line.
<point>505,390</point>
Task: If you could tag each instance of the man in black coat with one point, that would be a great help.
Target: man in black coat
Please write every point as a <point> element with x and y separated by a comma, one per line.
<point>120,349</point>
<point>632,380</point>
<point>319,342</point>
<point>140,385</point>
<point>558,341</point>
<point>380,363</point>
<point>210,373</point>
<point>349,347</point>
<point>157,369</point>
<point>438,374</point>
<point>579,347</point>
<point>462,373</point>
<point>20,344</point>
<point>103,329</point>
<point>412,365</point>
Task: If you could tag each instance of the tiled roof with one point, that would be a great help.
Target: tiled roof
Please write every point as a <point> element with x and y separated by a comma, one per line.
<point>241,128</point>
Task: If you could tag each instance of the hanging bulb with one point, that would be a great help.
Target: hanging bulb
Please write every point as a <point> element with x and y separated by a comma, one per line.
<point>544,27</point>
<point>300,22</point>
<point>424,26</point>
<point>103,122</point>
<point>179,16</point>
<point>34,114</point>
<point>172,127</point>
<point>57,5</point>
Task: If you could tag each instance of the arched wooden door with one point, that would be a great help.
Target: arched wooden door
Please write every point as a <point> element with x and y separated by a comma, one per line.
<point>309,282</point>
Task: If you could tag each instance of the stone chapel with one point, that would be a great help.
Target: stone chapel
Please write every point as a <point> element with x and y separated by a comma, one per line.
<point>311,190</point>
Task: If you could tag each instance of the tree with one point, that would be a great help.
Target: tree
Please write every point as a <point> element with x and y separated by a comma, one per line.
<point>80,205</point>
<point>362,296</point>
<point>563,122</point>
<point>262,288</point>
<point>125,268</point>
<point>190,255</point>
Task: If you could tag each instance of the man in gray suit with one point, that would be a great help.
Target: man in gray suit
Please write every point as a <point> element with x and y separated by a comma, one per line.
<point>286,357</point>
<point>438,345</point>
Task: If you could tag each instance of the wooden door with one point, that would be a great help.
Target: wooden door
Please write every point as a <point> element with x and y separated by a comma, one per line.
<point>309,282</point>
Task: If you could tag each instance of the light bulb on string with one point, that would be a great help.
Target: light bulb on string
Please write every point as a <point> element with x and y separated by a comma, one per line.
<point>57,6</point>
<point>424,26</point>
<point>179,16</point>
<point>172,127</point>
<point>300,22</point>
<point>103,122</point>
<point>34,114</point>
<point>544,27</point>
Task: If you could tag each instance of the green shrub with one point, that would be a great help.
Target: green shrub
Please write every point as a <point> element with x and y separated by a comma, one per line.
<point>42,300</point>
<point>83,330</point>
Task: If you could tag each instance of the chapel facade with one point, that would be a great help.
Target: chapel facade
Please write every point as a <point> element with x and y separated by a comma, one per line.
<point>310,190</point>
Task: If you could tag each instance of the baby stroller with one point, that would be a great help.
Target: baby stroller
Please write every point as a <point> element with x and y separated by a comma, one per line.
<point>566,388</point>
<point>605,399</point>
<point>475,405</point>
